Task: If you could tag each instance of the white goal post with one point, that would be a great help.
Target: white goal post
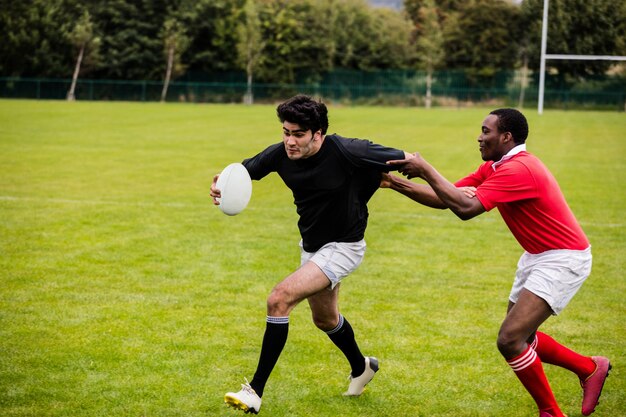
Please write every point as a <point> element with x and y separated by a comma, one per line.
<point>545,56</point>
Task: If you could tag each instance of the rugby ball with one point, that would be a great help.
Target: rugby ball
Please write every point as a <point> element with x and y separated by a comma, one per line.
<point>236,187</point>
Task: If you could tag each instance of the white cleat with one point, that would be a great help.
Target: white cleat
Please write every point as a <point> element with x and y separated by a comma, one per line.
<point>246,400</point>
<point>357,384</point>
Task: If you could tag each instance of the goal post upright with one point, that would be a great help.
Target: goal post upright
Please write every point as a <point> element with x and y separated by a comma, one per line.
<point>545,56</point>
<point>542,69</point>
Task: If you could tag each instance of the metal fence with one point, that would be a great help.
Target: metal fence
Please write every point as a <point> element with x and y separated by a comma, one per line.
<point>449,88</point>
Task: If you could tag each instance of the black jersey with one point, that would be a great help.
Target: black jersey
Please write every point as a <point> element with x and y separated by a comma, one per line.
<point>331,188</point>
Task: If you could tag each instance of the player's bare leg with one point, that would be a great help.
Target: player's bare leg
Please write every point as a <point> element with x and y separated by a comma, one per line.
<point>285,296</point>
<point>522,320</point>
<point>326,316</point>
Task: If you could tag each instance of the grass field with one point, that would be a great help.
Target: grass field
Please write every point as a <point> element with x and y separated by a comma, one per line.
<point>124,292</point>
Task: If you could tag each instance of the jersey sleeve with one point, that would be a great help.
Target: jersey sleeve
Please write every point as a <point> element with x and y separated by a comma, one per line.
<point>511,182</point>
<point>475,178</point>
<point>264,162</point>
<point>364,153</point>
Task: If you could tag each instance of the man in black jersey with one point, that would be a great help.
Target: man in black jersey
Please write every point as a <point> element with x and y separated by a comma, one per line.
<point>332,179</point>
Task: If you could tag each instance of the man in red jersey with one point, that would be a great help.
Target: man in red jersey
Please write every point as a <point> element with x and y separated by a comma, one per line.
<point>557,257</point>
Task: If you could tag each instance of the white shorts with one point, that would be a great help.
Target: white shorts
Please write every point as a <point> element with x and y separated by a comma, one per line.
<point>336,259</point>
<point>554,275</point>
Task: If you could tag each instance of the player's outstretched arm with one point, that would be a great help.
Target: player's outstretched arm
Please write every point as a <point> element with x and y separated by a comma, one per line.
<point>461,201</point>
<point>420,193</point>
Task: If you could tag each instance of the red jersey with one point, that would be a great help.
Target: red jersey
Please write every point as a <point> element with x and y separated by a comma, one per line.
<point>530,202</point>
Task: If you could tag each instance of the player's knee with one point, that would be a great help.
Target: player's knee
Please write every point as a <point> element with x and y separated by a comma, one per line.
<point>509,344</point>
<point>325,323</point>
<point>278,304</point>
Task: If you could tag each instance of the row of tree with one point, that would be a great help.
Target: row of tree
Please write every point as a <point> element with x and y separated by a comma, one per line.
<point>284,41</point>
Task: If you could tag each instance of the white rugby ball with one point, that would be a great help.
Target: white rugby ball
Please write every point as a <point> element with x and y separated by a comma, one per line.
<point>236,187</point>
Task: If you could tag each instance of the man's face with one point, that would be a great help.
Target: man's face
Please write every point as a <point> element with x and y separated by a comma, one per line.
<point>490,140</point>
<point>300,143</point>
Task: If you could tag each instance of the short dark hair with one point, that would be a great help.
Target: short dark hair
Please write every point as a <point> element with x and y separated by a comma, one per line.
<point>513,121</point>
<point>304,111</point>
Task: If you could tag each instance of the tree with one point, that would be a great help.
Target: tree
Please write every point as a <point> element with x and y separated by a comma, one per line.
<point>429,43</point>
<point>444,8</point>
<point>297,45</point>
<point>483,39</point>
<point>210,26</point>
<point>388,41</point>
<point>34,38</point>
<point>83,38</point>
<point>175,42</point>
<point>348,23</point>
<point>364,38</point>
<point>250,45</point>
<point>131,45</point>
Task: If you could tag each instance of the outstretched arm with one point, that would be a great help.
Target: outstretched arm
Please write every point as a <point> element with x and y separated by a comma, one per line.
<point>459,200</point>
<point>420,193</point>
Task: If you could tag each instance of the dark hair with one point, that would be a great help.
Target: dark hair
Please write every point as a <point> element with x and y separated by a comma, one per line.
<point>304,111</point>
<point>513,121</point>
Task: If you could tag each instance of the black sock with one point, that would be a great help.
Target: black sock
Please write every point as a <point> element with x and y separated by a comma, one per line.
<point>343,337</point>
<point>274,341</point>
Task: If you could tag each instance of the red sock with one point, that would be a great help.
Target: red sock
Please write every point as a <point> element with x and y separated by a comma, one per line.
<point>550,351</point>
<point>528,368</point>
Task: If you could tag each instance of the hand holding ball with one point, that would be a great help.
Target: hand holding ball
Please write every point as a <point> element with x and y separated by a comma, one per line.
<point>235,186</point>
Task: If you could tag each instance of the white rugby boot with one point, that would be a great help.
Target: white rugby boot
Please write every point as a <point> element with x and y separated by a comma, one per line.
<point>357,384</point>
<point>246,399</point>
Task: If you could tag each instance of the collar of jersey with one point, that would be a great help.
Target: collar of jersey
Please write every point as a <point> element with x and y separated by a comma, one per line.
<point>510,154</point>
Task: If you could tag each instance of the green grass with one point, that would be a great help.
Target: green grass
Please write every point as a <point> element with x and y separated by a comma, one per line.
<point>124,292</point>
